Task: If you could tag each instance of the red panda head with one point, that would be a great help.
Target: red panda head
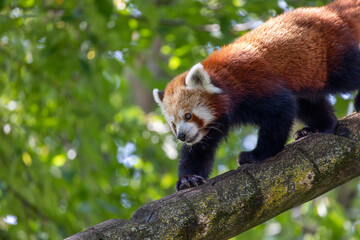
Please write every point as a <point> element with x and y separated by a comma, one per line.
<point>189,104</point>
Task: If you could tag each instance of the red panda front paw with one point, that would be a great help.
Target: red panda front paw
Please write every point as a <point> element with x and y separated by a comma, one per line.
<point>188,181</point>
<point>246,157</point>
<point>306,131</point>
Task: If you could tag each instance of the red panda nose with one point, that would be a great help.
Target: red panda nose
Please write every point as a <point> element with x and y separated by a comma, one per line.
<point>181,136</point>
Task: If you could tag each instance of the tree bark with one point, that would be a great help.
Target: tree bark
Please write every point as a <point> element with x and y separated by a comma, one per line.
<point>238,200</point>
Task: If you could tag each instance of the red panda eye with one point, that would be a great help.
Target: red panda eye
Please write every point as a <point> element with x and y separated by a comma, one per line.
<point>188,116</point>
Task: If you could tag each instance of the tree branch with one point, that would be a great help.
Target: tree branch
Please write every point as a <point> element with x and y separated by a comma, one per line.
<point>241,199</point>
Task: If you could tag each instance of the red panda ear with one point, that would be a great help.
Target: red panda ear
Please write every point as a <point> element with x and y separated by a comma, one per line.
<point>198,77</point>
<point>158,96</point>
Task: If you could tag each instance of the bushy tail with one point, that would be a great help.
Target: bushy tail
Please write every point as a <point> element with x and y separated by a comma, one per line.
<point>350,11</point>
<point>357,102</point>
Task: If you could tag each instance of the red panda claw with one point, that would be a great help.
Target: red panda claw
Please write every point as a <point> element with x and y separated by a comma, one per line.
<point>189,181</point>
<point>306,131</point>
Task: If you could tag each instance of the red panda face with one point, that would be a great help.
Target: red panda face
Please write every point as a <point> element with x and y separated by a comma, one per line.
<point>186,107</point>
<point>187,114</point>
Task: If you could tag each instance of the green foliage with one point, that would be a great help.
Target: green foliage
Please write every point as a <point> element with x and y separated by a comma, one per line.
<point>76,150</point>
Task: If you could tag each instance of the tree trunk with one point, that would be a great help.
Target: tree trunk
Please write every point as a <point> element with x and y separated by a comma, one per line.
<point>241,199</point>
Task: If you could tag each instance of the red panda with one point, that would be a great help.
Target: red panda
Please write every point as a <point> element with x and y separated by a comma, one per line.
<point>280,71</point>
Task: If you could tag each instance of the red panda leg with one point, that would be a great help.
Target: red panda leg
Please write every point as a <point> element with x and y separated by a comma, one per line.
<point>275,117</point>
<point>357,102</point>
<point>271,140</point>
<point>317,114</point>
<point>196,161</point>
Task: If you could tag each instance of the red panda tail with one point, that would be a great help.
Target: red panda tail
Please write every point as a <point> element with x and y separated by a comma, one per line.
<point>357,102</point>
<point>349,10</point>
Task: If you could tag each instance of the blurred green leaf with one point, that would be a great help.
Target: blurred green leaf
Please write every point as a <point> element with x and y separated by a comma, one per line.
<point>105,7</point>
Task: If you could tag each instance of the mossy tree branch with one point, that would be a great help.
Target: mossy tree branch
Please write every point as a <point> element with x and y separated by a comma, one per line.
<point>241,199</point>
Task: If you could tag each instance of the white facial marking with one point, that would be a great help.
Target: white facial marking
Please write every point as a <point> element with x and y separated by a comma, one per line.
<point>179,127</point>
<point>189,128</point>
<point>198,138</point>
<point>169,119</point>
<point>198,77</point>
<point>181,113</point>
<point>203,113</point>
<point>193,135</point>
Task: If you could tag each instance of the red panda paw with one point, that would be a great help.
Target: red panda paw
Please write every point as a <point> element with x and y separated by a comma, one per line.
<point>306,131</point>
<point>246,157</point>
<point>189,181</point>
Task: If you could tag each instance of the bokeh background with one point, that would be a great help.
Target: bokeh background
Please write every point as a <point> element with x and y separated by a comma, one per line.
<point>81,140</point>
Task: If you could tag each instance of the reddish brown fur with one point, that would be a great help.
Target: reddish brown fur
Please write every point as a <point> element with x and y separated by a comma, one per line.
<point>199,122</point>
<point>218,103</point>
<point>294,50</point>
<point>349,11</point>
